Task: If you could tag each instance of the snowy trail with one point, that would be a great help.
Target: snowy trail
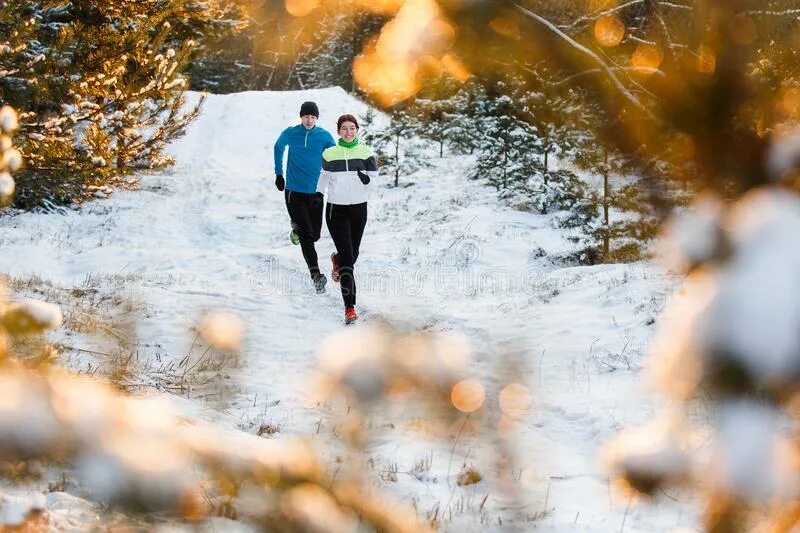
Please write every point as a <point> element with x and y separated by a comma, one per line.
<point>211,233</point>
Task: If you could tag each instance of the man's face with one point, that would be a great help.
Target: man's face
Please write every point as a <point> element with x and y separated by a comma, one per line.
<point>309,121</point>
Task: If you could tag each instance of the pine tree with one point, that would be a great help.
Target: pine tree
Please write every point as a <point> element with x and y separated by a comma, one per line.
<point>463,135</point>
<point>509,150</point>
<point>397,147</point>
<point>433,115</point>
<point>512,158</point>
<point>558,116</point>
<point>368,126</point>
<point>627,222</point>
<point>99,90</point>
<point>222,60</point>
<point>556,112</point>
<point>437,110</point>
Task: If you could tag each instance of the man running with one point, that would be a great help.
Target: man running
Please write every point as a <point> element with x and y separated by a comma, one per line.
<point>306,143</point>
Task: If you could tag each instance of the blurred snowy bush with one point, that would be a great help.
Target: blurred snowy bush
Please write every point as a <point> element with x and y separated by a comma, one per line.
<point>731,335</point>
<point>10,159</point>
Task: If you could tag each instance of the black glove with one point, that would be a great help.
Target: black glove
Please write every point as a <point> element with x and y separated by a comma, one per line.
<point>279,183</point>
<point>363,177</point>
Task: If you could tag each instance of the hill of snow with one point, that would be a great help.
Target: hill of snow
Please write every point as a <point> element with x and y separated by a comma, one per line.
<point>443,254</point>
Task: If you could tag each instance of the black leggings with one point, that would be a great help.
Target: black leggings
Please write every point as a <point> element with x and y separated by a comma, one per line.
<point>305,210</point>
<point>346,224</point>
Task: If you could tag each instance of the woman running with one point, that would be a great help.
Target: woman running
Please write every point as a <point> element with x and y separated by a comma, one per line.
<point>349,171</point>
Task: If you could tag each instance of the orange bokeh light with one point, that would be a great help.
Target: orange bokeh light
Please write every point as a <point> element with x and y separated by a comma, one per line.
<point>789,102</point>
<point>505,26</point>
<point>455,68</point>
<point>430,68</point>
<point>412,47</point>
<point>647,58</point>
<point>407,32</point>
<point>301,8</point>
<point>387,82</point>
<point>468,395</point>
<point>439,36</point>
<point>515,400</point>
<point>706,62</point>
<point>609,31</point>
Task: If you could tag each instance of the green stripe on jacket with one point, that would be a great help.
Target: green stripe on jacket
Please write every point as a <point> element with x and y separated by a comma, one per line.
<point>359,151</point>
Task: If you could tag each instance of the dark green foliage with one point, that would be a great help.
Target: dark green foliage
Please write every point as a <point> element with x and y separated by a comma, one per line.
<point>222,60</point>
<point>395,145</point>
<point>509,151</point>
<point>99,88</point>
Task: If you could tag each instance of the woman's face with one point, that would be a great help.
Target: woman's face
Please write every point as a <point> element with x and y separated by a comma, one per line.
<point>348,131</point>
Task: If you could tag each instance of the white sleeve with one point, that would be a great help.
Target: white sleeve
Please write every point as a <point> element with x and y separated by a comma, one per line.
<point>322,183</point>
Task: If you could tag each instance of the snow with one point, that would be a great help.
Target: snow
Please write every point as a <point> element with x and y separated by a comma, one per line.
<point>692,237</point>
<point>223,330</point>
<point>651,454</point>
<point>8,119</point>
<point>12,160</point>
<point>746,312</point>
<point>756,314</point>
<point>7,185</point>
<point>747,439</point>
<point>784,153</point>
<point>28,425</point>
<point>731,334</point>
<point>15,509</point>
<point>36,314</point>
<point>209,238</point>
<point>314,510</point>
<point>13,513</point>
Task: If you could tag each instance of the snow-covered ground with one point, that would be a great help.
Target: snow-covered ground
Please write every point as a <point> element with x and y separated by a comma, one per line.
<point>442,254</point>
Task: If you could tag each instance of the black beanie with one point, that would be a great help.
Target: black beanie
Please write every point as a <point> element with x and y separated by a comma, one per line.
<point>309,108</point>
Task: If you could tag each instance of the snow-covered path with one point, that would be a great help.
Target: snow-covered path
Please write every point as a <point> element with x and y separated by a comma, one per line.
<point>211,233</point>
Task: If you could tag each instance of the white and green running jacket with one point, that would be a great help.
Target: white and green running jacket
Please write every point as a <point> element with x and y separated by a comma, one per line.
<point>340,168</point>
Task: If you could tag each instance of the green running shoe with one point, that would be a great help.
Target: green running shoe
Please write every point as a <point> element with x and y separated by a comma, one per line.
<point>294,237</point>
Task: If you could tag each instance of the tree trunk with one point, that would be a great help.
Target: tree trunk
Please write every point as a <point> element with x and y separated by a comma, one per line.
<point>397,160</point>
<point>441,148</point>
<point>606,201</point>
<point>120,151</point>
<point>505,165</point>
<point>253,61</point>
<point>546,153</point>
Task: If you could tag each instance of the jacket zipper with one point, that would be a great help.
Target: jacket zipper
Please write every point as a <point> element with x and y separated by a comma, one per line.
<point>347,169</point>
<point>306,143</point>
